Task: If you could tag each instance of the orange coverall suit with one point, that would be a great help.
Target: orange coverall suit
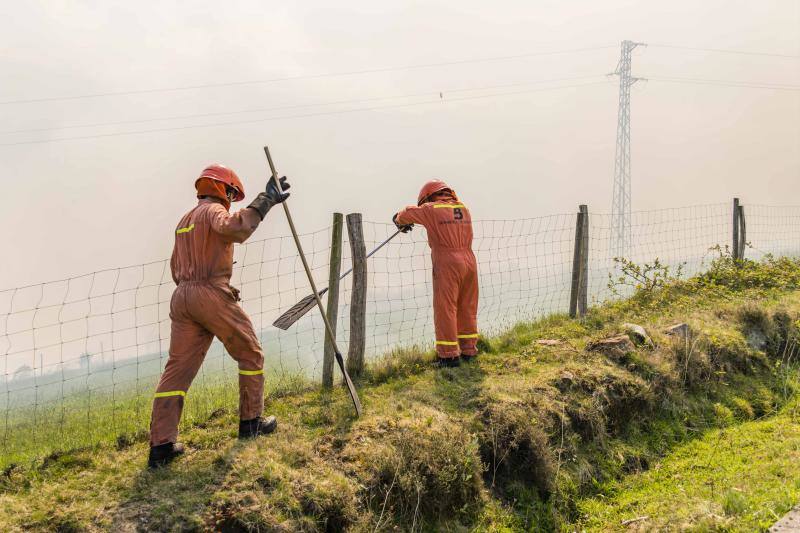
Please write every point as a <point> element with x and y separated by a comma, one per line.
<point>455,274</point>
<point>204,306</point>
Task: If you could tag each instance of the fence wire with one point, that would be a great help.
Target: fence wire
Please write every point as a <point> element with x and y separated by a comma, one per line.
<point>681,237</point>
<point>772,230</point>
<point>80,357</point>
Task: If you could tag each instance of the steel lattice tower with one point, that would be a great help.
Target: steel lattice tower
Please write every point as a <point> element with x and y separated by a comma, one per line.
<point>621,208</point>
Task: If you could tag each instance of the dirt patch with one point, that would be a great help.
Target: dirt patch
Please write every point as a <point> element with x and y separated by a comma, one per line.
<point>615,348</point>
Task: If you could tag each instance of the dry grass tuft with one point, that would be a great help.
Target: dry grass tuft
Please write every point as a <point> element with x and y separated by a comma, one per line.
<point>515,447</point>
<point>423,467</point>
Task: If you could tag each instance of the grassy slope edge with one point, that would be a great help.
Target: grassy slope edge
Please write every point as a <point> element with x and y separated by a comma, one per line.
<point>740,478</point>
<point>530,437</point>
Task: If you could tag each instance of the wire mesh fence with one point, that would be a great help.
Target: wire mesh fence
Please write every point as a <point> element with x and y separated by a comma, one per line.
<point>682,237</point>
<point>772,230</point>
<point>80,357</point>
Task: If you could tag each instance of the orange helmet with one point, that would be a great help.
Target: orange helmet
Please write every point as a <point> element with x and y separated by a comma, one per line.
<point>226,176</point>
<point>432,187</point>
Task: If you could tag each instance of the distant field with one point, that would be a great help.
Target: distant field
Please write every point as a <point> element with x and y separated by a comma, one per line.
<point>90,418</point>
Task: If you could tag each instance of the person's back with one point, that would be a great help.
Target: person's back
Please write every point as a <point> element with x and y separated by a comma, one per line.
<point>204,240</point>
<point>448,223</point>
<point>204,306</point>
<point>455,271</point>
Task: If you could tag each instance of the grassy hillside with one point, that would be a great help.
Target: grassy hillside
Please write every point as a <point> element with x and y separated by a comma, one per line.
<point>532,436</point>
<point>740,478</point>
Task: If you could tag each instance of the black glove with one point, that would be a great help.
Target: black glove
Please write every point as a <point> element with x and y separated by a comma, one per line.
<point>265,200</point>
<point>404,228</point>
<point>274,194</point>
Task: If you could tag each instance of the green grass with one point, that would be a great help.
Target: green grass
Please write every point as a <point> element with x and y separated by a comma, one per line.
<point>83,420</point>
<point>742,478</point>
<point>527,438</point>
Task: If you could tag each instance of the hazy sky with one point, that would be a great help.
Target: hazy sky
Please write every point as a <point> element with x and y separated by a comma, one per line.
<point>80,205</point>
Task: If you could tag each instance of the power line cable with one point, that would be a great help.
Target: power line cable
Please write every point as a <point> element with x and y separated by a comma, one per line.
<point>725,83</point>
<point>440,99</point>
<point>304,77</point>
<point>724,51</point>
<point>297,106</point>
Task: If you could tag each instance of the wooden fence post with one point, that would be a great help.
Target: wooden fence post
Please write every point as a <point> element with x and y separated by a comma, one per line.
<point>742,233</point>
<point>583,299</point>
<point>358,298</point>
<point>735,243</point>
<point>333,297</point>
<point>577,263</point>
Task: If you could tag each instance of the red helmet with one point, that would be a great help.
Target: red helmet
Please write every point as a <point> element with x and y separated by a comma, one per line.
<point>432,187</point>
<point>224,175</point>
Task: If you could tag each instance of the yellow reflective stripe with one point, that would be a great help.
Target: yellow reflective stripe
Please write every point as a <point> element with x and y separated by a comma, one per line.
<point>185,230</point>
<point>170,393</point>
<point>251,372</point>
<point>449,206</point>
<point>447,343</point>
<point>470,336</point>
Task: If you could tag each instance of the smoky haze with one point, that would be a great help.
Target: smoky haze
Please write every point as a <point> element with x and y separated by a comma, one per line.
<point>517,137</point>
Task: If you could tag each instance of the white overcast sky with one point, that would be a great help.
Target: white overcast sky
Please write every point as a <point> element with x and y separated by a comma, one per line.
<point>80,205</point>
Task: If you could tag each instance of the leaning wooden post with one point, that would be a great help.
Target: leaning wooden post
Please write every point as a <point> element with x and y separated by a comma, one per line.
<point>577,264</point>
<point>333,296</point>
<point>735,243</point>
<point>358,298</point>
<point>583,299</point>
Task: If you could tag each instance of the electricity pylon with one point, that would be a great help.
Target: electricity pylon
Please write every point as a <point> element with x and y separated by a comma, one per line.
<point>621,207</point>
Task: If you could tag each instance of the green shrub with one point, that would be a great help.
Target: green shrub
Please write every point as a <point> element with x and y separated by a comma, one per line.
<point>723,415</point>
<point>769,273</point>
<point>742,409</point>
<point>645,279</point>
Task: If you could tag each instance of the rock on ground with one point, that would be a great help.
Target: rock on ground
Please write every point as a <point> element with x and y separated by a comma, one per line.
<point>613,346</point>
<point>549,342</point>
<point>638,335</point>
<point>790,522</point>
<point>678,330</point>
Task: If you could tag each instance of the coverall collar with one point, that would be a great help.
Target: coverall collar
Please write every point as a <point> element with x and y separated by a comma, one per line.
<point>453,199</point>
<point>213,200</point>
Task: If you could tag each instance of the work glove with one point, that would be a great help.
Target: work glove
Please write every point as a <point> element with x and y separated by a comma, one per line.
<point>404,228</point>
<point>236,293</point>
<point>272,196</point>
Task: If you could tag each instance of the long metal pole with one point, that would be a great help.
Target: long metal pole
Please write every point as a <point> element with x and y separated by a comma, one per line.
<point>304,306</point>
<point>348,382</point>
<point>381,245</point>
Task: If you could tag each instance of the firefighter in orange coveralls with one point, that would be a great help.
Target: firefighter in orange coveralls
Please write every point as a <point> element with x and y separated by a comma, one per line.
<point>455,272</point>
<point>204,306</point>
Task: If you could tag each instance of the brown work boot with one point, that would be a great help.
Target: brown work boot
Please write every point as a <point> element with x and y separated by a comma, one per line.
<point>257,426</point>
<point>164,454</point>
